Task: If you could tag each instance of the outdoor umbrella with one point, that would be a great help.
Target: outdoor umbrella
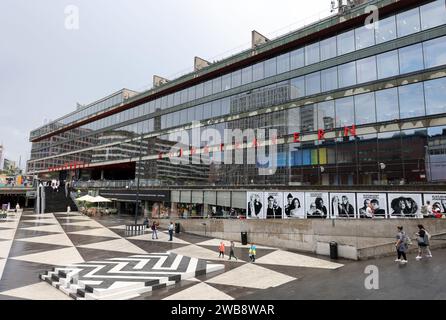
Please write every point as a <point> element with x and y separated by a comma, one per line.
<point>100,199</point>
<point>86,198</point>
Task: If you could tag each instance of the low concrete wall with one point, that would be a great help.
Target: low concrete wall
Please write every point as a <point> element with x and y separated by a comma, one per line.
<point>357,239</point>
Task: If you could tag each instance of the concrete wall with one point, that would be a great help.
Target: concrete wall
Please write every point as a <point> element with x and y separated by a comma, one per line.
<point>357,239</point>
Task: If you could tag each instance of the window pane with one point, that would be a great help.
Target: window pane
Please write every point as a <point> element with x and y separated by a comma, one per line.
<point>216,108</point>
<point>433,14</point>
<point>190,114</point>
<point>326,115</point>
<point>208,88</point>
<point>411,100</point>
<point>308,116</point>
<point>387,64</point>
<point>184,96</point>
<point>191,93</point>
<point>225,106</point>
<point>366,69</point>
<point>216,85</point>
<point>226,82</point>
<point>347,74</point>
<point>257,71</point>
<point>365,108</point>
<point>411,58</point>
<point>313,83</point>
<point>236,78</point>
<point>365,37</point>
<point>297,88</point>
<point>346,42</point>
<point>329,79</point>
<point>387,105</point>
<point>345,113</point>
<point>435,92</point>
<point>408,22</point>
<point>283,63</point>
<point>270,68</point>
<point>247,75</point>
<point>297,58</point>
<point>435,52</point>
<point>312,53</point>
<point>386,30</point>
<point>328,48</point>
<point>199,91</point>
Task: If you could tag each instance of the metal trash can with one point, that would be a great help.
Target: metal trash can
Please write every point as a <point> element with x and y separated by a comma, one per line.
<point>177,227</point>
<point>244,236</point>
<point>333,250</point>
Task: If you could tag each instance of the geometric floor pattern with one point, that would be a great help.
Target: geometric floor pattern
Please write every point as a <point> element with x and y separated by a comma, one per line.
<point>32,245</point>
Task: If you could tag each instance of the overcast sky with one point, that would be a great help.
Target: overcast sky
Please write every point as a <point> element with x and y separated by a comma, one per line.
<point>45,68</point>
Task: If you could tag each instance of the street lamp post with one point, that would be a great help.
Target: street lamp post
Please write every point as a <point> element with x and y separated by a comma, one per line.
<point>137,183</point>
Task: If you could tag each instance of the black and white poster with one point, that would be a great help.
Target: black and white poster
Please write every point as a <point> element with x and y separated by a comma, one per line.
<point>273,205</point>
<point>342,205</point>
<point>294,205</point>
<point>316,204</point>
<point>436,201</point>
<point>372,205</point>
<point>255,205</point>
<point>404,205</point>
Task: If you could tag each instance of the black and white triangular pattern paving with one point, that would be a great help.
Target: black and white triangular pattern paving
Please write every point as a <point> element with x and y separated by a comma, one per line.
<point>125,278</point>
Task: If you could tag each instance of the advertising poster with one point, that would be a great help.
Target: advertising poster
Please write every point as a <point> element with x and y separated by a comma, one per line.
<point>342,205</point>
<point>371,205</point>
<point>316,205</point>
<point>273,205</point>
<point>437,201</point>
<point>293,205</point>
<point>255,206</point>
<point>404,205</point>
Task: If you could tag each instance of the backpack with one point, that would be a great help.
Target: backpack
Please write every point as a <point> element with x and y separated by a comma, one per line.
<point>406,240</point>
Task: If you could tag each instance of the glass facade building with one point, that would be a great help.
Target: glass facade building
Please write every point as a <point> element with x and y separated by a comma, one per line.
<point>368,105</point>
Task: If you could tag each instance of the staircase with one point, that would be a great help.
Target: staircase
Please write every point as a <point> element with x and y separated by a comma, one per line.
<point>57,201</point>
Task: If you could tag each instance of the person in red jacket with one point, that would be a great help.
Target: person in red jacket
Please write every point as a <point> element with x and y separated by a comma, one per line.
<point>221,250</point>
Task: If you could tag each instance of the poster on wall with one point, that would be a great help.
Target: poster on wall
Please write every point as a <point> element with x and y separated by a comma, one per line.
<point>404,205</point>
<point>342,205</point>
<point>316,205</point>
<point>293,205</point>
<point>371,205</point>
<point>254,207</point>
<point>437,201</point>
<point>273,205</point>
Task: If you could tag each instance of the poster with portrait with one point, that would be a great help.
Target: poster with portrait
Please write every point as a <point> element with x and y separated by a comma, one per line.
<point>293,205</point>
<point>273,205</point>
<point>404,205</point>
<point>342,205</point>
<point>371,205</point>
<point>437,201</point>
<point>255,207</point>
<point>316,205</point>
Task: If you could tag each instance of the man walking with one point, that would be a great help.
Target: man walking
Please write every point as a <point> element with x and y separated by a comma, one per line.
<point>231,251</point>
<point>171,231</point>
<point>154,228</point>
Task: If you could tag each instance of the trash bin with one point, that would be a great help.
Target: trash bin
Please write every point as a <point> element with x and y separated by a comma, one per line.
<point>244,238</point>
<point>177,227</point>
<point>333,250</point>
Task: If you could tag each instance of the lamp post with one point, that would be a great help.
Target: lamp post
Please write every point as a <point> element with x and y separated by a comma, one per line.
<point>137,183</point>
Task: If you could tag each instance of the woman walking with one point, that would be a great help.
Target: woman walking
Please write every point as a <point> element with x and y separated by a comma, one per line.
<point>423,243</point>
<point>231,251</point>
<point>401,245</point>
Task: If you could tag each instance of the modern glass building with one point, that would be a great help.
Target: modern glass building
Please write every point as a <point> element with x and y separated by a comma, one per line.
<point>353,106</point>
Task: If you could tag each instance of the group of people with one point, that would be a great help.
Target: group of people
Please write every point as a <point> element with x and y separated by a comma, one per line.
<point>154,227</point>
<point>435,210</point>
<point>403,242</point>
<point>252,251</point>
<point>371,209</point>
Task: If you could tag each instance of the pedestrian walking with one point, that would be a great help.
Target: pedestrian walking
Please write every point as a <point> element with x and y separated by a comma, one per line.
<point>252,252</point>
<point>401,245</point>
<point>423,243</point>
<point>171,231</point>
<point>154,229</point>
<point>231,251</point>
<point>221,250</point>
<point>68,209</point>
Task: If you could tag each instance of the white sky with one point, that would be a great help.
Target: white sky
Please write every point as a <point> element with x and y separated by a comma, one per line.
<point>45,68</point>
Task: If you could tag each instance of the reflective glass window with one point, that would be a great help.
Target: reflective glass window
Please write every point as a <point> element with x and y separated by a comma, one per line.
<point>297,58</point>
<point>386,30</point>
<point>308,117</point>
<point>326,115</point>
<point>236,77</point>
<point>328,48</point>
<point>226,82</point>
<point>435,93</point>
<point>387,108</point>
<point>225,106</point>
<point>387,64</point>
<point>216,108</point>
<point>208,88</point>
<point>411,101</point>
<point>435,52</point>
<point>257,71</point>
<point>313,83</point>
<point>411,58</point>
<point>184,96</point>
<point>247,75</point>
<point>346,42</point>
<point>216,85</point>
<point>433,14</point>
<point>347,74</point>
<point>191,93</point>
<point>297,88</point>
<point>283,63</point>
<point>199,91</point>
<point>329,79</point>
<point>176,99</point>
<point>365,108</point>
<point>312,53</point>
<point>365,37</point>
<point>190,114</point>
<point>270,67</point>
<point>408,22</point>
<point>366,69</point>
<point>345,113</point>
<point>169,102</point>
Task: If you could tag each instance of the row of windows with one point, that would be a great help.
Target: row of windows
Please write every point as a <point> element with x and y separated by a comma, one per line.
<point>400,25</point>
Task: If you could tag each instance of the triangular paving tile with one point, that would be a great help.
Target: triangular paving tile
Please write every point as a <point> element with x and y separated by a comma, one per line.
<point>197,252</point>
<point>162,237</point>
<point>58,257</point>
<point>24,233</point>
<point>253,276</point>
<point>60,239</point>
<point>37,291</point>
<point>155,247</point>
<point>67,219</point>
<point>69,229</point>
<point>79,239</point>
<point>286,258</point>
<point>7,234</point>
<point>11,225</point>
<point>40,215</point>
<point>2,267</point>
<point>37,223</point>
<point>120,245</point>
<point>98,232</point>
<point>5,246</point>
<point>96,254</point>
<point>216,243</point>
<point>79,223</point>
<point>49,228</point>
<point>22,248</point>
<point>200,291</point>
